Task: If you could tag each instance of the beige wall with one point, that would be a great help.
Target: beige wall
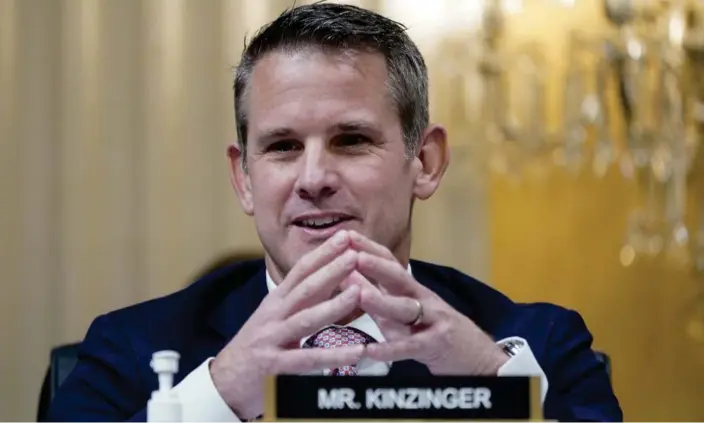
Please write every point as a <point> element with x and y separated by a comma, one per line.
<point>114,117</point>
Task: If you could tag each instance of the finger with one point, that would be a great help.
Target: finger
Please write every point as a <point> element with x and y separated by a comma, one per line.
<point>320,285</point>
<point>389,275</point>
<point>362,243</point>
<point>389,328</point>
<point>392,330</point>
<point>402,310</point>
<point>356,278</point>
<point>314,260</point>
<point>306,360</point>
<point>410,347</point>
<point>312,319</point>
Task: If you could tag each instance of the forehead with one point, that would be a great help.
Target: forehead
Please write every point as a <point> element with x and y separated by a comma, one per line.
<point>312,87</point>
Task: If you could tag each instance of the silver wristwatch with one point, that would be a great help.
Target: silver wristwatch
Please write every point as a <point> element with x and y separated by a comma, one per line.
<point>513,347</point>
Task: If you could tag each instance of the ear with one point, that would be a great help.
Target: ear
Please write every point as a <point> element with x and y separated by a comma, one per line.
<point>239,178</point>
<point>433,158</point>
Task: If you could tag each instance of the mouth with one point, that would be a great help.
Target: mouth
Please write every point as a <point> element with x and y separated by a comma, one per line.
<point>321,222</point>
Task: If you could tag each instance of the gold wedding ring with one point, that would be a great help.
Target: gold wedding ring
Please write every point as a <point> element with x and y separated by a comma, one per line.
<point>419,316</point>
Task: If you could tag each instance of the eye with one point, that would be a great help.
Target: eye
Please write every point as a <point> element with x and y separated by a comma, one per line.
<point>283,146</point>
<point>352,140</point>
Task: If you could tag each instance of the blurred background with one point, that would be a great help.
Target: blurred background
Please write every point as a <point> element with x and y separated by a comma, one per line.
<point>575,177</point>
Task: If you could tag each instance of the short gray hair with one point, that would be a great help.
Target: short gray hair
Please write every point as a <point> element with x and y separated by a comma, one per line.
<point>338,27</point>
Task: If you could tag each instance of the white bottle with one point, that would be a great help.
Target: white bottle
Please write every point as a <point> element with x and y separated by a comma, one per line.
<point>164,406</point>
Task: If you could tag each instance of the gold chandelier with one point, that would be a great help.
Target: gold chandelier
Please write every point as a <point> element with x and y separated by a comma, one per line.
<point>632,98</point>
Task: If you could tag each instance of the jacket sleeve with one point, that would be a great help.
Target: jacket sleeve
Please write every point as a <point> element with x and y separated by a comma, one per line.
<point>104,385</point>
<point>580,388</point>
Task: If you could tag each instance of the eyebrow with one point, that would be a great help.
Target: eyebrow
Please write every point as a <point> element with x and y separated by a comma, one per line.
<point>347,126</point>
<point>357,125</point>
<point>276,133</point>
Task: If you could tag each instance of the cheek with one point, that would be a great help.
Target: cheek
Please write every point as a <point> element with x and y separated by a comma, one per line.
<point>269,194</point>
<point>381,173</point>
<point>384,188</point>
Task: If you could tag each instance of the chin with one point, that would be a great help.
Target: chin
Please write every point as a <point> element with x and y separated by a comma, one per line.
<point>292,253</point>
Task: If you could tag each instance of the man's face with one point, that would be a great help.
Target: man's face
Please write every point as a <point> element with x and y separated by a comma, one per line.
<point>325,152</point>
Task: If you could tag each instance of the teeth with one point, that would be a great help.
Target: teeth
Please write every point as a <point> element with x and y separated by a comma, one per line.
<point>325,221</point>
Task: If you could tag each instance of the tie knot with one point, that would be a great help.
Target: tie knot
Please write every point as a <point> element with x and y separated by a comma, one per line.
<point>336,337</point>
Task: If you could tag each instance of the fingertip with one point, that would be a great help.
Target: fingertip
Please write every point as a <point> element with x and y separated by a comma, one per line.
<point>372,350</point>
<point>364,283</point>
<point>366,296</point>
<point>355,278</point>
<point>360,350</point>
<point>356,239</point>
<point>370,295</point>
<point>349,259</point>
<point>381,352</point>
<point>353,352</point>
<point>350,297</point>
<point>351,255</point>
<point>362,258</point>
<point>341,237</point>
<point>352,290</point>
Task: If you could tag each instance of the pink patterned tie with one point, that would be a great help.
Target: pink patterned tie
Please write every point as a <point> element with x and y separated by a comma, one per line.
<point>337,337</point>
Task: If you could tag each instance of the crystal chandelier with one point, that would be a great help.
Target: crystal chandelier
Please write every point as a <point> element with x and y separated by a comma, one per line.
<point>632,99</point>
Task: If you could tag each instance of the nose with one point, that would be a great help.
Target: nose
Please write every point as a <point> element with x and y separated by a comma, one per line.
<point>317,178</point>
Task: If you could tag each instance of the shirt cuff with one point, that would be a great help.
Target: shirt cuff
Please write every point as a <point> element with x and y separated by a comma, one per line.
<point>524,364</point>
<point>200,400</point>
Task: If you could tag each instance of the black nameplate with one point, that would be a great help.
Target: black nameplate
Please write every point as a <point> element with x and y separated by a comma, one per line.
<point>402,398</point>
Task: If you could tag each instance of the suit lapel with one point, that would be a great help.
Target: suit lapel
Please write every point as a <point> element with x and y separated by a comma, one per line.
<point>239,305</point>
<point>439,280</point>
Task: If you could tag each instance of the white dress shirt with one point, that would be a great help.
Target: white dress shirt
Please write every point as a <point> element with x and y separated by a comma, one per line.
<point>201,401</point>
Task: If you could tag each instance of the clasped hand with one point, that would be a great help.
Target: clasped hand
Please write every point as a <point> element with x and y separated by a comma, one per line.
<point>372,281</point>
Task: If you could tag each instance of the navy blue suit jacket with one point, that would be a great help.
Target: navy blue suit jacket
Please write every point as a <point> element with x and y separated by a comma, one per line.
<point>113,380</point>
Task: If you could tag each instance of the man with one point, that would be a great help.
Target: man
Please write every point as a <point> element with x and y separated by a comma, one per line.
<point>334,148</point>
